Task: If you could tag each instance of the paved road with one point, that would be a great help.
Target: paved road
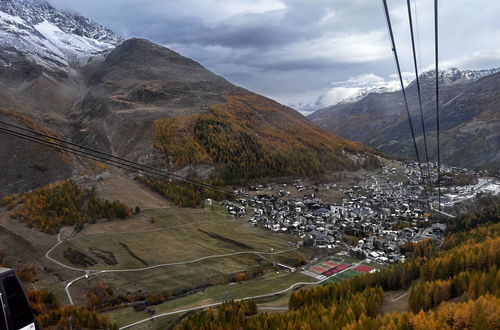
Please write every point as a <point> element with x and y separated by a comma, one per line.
<point>102,271</point>
<point>241,299</point>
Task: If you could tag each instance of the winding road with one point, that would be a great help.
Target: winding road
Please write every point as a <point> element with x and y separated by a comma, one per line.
<point>95,272</point>
<point>89,273</point>
<point>291,287</point>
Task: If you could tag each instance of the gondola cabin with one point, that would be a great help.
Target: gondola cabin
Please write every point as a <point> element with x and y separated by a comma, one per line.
<point>15,310</point>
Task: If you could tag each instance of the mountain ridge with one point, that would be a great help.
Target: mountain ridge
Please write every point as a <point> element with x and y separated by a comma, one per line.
<point>447,77</point>
<point>469,121</point>
<point>115,99</point>
<point>49,37</point>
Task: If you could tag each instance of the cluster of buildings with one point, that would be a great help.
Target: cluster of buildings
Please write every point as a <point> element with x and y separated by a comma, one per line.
<point>377,215</point>
<point>369,214</point>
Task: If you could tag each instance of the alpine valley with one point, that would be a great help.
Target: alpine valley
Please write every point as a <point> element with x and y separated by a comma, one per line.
<point>138,189</point>
<point>470,120</point>
<point>66,75</point>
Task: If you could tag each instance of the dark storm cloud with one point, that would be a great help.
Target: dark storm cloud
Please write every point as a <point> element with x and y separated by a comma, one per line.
<point>249,31</point>
<point>299,51</point>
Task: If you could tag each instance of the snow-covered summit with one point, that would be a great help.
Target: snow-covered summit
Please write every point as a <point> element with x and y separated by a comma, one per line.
<point>49,37</point>
<point>446,78</point>
<point>453,75</point>
<point>378,88</point>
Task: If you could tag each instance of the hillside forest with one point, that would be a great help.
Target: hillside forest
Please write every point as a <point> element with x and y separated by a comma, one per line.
<point>50,208</point>
<point>246,139</point>
<point>453,285</point>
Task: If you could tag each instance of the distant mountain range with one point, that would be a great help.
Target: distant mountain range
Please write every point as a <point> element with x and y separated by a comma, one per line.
<point>63,74</point>
<point>448,77</point>
<point>469,117</point>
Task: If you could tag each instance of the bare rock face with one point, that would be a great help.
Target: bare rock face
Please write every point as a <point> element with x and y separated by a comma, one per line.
<point>135,84</point>
<point>64,74</point>
<point>469,119</point>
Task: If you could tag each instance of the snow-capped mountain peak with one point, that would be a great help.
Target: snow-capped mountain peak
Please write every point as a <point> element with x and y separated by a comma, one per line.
<point>49,37</point>
<point>453,76</point>
<point>446,77</point>
<point>378,88</point>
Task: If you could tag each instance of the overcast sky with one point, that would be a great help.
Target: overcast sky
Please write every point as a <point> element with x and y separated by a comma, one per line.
<point>304,52</point>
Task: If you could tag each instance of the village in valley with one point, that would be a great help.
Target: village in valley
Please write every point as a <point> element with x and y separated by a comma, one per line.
<point>376,215</point>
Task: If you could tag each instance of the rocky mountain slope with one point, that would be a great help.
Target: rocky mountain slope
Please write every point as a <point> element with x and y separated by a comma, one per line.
<point>142,101</point>
<point>470,118</point>
<point>48,37</point>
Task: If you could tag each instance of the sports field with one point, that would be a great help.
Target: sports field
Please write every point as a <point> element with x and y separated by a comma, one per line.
<point>342,276</point>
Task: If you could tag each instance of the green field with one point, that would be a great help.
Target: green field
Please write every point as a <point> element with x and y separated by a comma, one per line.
<point>269,283</point>
<point>183,276</point>
<point>176,239</point>
<point>179,240</point>
<point>180,236</point>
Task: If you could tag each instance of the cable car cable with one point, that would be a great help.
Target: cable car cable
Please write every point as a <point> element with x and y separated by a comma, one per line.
<point>396,58</point>
<point>112,162</point>
<point>436,47</point>
<point>120,159</point>
<point>419,93</point>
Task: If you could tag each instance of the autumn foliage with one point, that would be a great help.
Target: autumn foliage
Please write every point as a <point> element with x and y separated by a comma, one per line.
<point>229,315</point>
<point>181,196</point>
<point>63,204</point>
<point>26,272</point>
<point>49,314</point>
<point>483,313</point>
<point>251,137</point>
<point>465,268</point>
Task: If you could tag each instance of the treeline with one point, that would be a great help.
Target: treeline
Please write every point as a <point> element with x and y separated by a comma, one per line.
<point>229,315</point>
<point>102,296</point>
<point>477,235</point>
<point>49,314</point>
<point>184,195</point>
<point>478,314</point>
<point>450,179</point>
<point>315,316</point>
<point>487,215</point>
<point>333,315</point>
<point>425,248</point>
<point>250,137</point>
<point>63,204</point>
<point>468,285</point>
<point>466,268</point>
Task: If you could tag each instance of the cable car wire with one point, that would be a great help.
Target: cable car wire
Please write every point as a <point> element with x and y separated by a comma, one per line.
<point>436,47</point>
<point>419,93</point>
<point>128,167</point>
<point>121,160</point>
<point>396,58</point>
<point>417,79</point>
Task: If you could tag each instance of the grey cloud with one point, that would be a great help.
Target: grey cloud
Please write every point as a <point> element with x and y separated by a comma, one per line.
<point>284,53</point>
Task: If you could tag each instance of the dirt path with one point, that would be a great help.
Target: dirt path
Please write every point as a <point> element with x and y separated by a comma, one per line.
<point>395,301</point>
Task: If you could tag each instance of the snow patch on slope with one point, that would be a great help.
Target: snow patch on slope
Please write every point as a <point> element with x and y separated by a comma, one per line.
<point>377,86</point>
<point>9,18</point>
<point>48,37</point>
<point>357,88</point>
